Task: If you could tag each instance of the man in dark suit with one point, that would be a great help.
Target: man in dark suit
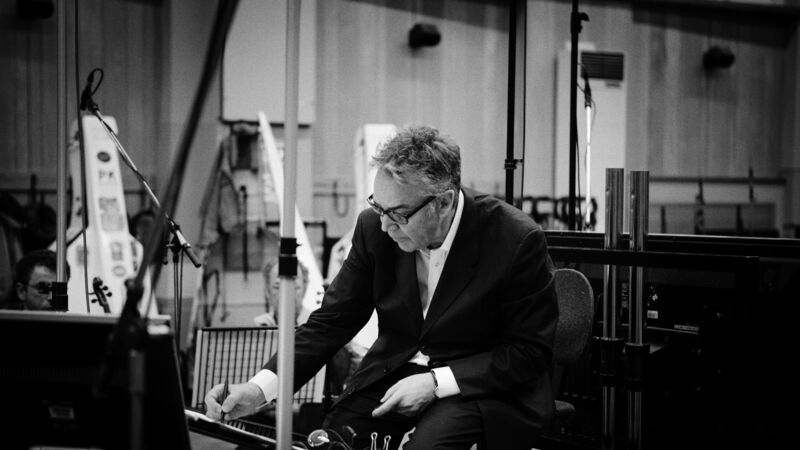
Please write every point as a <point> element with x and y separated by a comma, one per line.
<point>462,283</point>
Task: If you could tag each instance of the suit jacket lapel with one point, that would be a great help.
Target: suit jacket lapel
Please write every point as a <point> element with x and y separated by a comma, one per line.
<point>459,269</point>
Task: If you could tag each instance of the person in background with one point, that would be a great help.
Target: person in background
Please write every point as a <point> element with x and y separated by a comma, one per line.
<point>463,287</point>
<point>272,296</point>
<point>34,275</point>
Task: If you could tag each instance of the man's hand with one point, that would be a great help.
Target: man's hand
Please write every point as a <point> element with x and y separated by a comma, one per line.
<point>408,396</point>
<point>244,399</point>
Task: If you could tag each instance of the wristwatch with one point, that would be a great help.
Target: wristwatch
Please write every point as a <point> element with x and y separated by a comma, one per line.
<point>435,384</point>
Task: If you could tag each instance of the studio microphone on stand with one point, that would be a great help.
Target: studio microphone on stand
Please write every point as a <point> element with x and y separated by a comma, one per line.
<point>86,96</point>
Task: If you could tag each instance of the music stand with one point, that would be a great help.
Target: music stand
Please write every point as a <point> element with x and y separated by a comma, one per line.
<point>50,368</point>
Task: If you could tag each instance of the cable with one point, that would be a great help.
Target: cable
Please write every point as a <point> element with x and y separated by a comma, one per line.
<point>593,104</point>
<point>82,159</point>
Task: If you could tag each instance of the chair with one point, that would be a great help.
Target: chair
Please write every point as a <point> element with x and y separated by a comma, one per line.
<point>573,331</point>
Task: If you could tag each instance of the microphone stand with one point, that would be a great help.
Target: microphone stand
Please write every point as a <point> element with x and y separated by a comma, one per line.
<point>516,103</point>
<point>134,326</point>
<point>575,28</point>
<point>60,300</point>
<point>131,329</point>
<point>178,244</point>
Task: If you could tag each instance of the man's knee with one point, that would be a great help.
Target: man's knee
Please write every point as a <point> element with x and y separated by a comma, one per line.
<point>447,424</point>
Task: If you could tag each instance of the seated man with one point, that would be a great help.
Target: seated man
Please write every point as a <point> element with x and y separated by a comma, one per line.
<point>272,291</point>
<point>34,275</point>
<point>463,287</point>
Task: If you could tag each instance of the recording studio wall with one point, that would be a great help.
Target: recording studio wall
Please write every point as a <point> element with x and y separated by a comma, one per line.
<point>682,120</point>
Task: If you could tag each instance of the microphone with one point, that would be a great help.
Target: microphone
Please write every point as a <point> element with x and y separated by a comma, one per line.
<point>318,438</point>
<point>86,95</point>
<point>587,90</point>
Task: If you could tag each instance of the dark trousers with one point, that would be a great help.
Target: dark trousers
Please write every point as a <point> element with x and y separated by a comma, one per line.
<point>449,423</point>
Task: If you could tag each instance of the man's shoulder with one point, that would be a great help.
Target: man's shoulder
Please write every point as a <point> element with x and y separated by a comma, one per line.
<point>494,212</point>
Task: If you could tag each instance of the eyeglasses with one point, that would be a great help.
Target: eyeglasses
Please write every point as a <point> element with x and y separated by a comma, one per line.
<point>395,216</point>
<point>42,287</point>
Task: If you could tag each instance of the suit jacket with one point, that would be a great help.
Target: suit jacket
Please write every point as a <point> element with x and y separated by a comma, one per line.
<point>491,320</point>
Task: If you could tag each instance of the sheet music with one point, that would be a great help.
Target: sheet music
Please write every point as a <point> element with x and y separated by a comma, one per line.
<point>229,430</point>
<point>200,417</point>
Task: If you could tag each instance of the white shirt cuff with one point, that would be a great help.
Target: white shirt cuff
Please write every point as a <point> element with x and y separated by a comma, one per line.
<point>447,382</point>
<point>267,381</point>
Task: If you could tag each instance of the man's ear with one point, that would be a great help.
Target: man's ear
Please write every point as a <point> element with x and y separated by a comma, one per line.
<point>448,198</point>
<point>22,293</point>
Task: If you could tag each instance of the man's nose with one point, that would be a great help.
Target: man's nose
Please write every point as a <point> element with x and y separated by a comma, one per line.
<point>387,223</point>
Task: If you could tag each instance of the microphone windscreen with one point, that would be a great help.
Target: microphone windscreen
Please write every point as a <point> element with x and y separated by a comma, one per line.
<point>318,438</point>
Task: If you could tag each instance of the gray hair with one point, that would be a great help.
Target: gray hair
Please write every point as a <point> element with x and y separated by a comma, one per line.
<point>419,154</point>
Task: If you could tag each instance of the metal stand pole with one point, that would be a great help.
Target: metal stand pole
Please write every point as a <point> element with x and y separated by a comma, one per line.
<point>60,298</point>
<point>136,385</point>
<point>287,262</point>
<point>636,349</point>
<point>131,324</point>
<point>515,137</point>
<point>177,289</point>
<point>610,344</point>
<point>576,26</point>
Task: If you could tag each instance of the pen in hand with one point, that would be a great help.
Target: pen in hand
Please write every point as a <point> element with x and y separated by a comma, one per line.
<point>225,393</point>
